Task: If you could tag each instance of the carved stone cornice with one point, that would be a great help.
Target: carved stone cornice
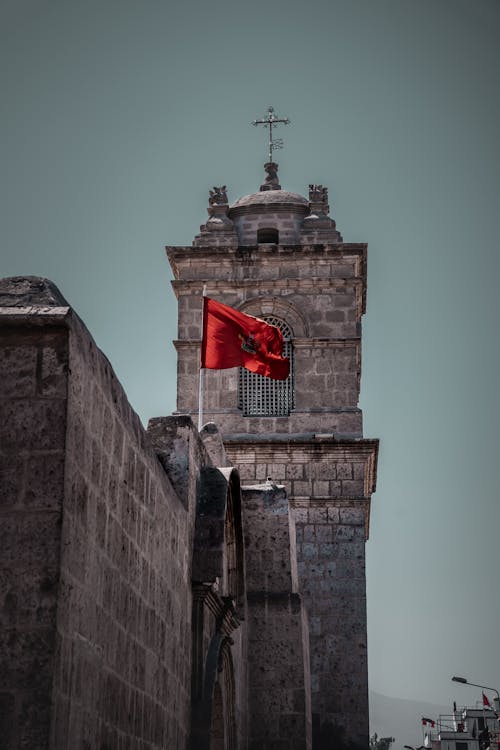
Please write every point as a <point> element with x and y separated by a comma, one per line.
<point>318,250</point>
<point>222,608</point>
<point>326,252</point>
<point>337,343</point>
<point>335,502</point>
<point>185,261</point>
<point>309,501</point>
<point>272,286</point>
<point>254,449</point>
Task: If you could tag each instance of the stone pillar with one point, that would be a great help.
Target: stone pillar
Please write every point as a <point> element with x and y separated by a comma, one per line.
<point>278,650</point>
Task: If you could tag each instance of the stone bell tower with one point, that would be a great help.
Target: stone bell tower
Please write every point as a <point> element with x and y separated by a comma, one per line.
<point>279,256</point>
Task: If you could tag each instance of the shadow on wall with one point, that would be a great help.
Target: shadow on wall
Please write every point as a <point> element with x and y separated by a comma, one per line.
<point>331,736</point>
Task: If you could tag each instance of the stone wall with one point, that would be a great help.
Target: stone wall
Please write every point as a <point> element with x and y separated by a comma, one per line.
<point>123,640</point>
<point>319,466</point>
<point>33,391</point>
<point>96,544</point>
<point>286,222</point>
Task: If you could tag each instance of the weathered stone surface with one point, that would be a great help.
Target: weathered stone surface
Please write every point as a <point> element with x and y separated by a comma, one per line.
<point>212,440</point>
<point>125,571</point>
<point>32,443</point>
<point>279,707</point>
<point>94,545</point>
<point>23,291</point>
<point>308,284</point>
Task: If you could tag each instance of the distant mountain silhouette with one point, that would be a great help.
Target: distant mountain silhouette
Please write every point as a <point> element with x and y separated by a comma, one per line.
<point>401,719</point>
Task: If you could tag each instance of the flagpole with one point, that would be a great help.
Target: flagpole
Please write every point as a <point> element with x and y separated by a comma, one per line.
<point>202,369</point>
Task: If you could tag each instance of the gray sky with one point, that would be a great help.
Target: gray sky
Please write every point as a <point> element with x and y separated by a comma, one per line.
<point>118,115</point>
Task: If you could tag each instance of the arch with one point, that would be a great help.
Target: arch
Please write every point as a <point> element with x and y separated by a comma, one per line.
<point>226,672</point>
<point>279,308</point>
<point>214,716</point>
<point>218,578</point>
<point>232,582</point>
<point>218,542</point>
<point>233,534</point>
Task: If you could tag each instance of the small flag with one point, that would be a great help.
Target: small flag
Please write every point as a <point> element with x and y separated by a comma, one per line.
<point>426,721</point>
<point>486,701</point>
<point>234,339</point>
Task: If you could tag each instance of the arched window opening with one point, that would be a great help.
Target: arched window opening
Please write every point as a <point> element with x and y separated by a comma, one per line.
<point>268,236</point>
<point>264,397</point>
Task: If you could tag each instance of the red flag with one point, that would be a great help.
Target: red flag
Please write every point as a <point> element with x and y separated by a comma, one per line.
<point>486,701</point>
<point>232,338</point>
<point>426,721</point>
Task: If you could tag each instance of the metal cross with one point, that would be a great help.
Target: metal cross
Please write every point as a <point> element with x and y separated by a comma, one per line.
<point>271,121</point>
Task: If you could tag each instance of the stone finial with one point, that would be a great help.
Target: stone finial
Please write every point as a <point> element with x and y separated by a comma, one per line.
<point>217,210</point>
<point>318,226</point>
<point>218,196</point>
<point>219,228</point>
<point>318,198</point>
<point>271,181</point>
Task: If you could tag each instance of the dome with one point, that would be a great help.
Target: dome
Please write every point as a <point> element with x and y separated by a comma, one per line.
<point>269,216</point>
<point>269,198</point>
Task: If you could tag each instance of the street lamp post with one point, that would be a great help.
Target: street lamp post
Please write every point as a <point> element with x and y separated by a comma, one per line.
<point>465,681</point>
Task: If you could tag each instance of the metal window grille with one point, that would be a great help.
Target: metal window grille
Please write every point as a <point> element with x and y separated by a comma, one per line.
<point>264,397</point>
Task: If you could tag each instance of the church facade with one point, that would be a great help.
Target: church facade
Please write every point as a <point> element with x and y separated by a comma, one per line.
<point>185,588</point>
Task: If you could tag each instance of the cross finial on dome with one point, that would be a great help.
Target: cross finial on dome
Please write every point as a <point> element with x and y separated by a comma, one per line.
<point>271,121</point>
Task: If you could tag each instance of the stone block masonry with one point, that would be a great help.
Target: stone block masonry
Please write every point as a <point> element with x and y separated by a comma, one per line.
<point>330,483</point>
<point>95,546</point>
<point>278,648</point>
<point>33,395</point>
<point>123,650</point>
<point>319,290</point>
<point>331,567</point>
